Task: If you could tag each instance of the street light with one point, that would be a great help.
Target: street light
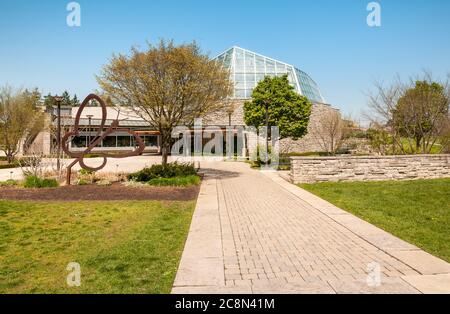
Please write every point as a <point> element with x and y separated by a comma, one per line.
<point>266,104</point>
<point>58,100</point>
<point>89,116</point>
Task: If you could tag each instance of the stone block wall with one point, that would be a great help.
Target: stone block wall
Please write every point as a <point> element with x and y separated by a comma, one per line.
<point>309,143</point>
<point>370,168</point>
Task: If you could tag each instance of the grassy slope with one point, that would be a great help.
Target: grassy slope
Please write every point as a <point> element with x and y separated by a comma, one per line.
<point>122,247</point>
<point>416,211</point>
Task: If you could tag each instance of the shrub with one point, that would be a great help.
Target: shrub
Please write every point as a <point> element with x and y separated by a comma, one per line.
<point>37,182</point>
<point>82,182</point>
<point>171,170</point>
<point>104,183</point>
<point>176,181</point>
<point>9,183</point>
<point>86,176</point>
<point>14,164</point>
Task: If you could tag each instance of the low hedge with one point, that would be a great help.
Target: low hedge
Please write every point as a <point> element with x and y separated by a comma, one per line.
<point>170,170</point>
<point>9,183</point>
<point>36,182</point>
<point>14,164</point>
<point>176,181</point>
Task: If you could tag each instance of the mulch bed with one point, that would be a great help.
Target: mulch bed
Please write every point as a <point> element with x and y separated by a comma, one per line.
<point>114,192</point>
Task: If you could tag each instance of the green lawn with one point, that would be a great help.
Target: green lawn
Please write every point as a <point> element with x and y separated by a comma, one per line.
<point>122,247</point>
<point>416,211</point>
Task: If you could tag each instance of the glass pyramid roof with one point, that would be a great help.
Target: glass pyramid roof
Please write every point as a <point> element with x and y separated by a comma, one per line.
<point>248,68</point>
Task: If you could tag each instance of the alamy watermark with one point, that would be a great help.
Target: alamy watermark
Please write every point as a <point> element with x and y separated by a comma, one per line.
<point>74,277</point>
<point>374,275</point>
<point>74,17</point>
<point>374,17</point>
<point>230,142</point>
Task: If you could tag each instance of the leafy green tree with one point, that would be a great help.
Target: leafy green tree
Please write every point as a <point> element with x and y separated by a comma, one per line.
<point>420,113</point>
<point>49,101</point>
<point>167,86</point>
<point>21,120</point>
<point>274,101</point>
<point>75,102</point>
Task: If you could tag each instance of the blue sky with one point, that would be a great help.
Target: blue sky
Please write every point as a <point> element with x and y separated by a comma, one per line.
<point>329,39</point>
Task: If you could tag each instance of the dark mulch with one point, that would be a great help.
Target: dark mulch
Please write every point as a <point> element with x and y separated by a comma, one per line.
<point>114,192</point>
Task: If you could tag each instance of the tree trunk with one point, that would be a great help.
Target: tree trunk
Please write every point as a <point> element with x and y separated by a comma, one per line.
<point>418,140</point>
<point>165,155</point>
<point>165,147</point>
<point>9,157</point>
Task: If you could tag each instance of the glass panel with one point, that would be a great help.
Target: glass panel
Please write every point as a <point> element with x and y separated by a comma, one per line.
<point>240,93</point>
<point>248,93</point>
<point>151,141</point>
<point>250,77</point>
<point>281,68</point>
<point>240,81</point>
<point>227,60</point>
<point>259,77</point>
<point>239,62</point>
<point>249,62</point>
<point>251,85</point>
<point>123,141</point>
<point>260,67</point>
<point>270,66</point>
<point>110,141</point>
<point>79,142</point>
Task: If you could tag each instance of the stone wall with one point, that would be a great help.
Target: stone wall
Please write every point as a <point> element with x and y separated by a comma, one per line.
<point>371,168</point>
<point>312,141</point>
<point>309,143</point>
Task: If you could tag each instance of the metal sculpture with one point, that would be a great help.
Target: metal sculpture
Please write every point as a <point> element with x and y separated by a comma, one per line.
<point>102,133</point>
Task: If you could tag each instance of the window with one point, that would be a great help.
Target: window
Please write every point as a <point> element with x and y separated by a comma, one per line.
<point>151,141</point>
<point>79,142</point>
<point>110,141</point>
<point>123,141</point>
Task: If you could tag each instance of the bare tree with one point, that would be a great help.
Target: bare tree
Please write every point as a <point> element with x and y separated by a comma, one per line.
<point>330,131</point>
<point>382,104</point>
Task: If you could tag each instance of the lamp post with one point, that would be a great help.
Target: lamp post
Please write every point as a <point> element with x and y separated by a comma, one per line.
<point>89,116</point>
<point>58,100</point>
<point>267,131</point>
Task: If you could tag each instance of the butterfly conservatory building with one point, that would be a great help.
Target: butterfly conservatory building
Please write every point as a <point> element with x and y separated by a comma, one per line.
<point>246,68</point>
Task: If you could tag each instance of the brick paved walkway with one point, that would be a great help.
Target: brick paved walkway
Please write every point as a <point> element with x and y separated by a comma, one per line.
<point>255,233</point>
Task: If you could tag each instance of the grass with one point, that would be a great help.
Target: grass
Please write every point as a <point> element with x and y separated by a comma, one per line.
<point>176,181</point>
<point>34,182</point>
<point>9,183</point>
<point>122,247</point>
<point>416,211</point>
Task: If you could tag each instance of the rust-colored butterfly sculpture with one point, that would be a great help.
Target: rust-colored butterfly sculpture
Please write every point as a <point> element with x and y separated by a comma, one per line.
<point>102,133</point>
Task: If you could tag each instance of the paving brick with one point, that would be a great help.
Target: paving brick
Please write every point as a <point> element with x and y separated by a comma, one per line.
<point>275,238</point>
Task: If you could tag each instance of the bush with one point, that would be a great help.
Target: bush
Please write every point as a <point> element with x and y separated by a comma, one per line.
<point>82,182</point>
<point>104,183</point>
<point>86,177</point>
<point>37,182</point>
<point>176,181</point>
<point>14,164</point>
<point>171,170</point>
<point>9,183</point>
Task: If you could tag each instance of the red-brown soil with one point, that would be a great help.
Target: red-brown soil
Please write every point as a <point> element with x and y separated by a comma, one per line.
<point>100,193</point>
